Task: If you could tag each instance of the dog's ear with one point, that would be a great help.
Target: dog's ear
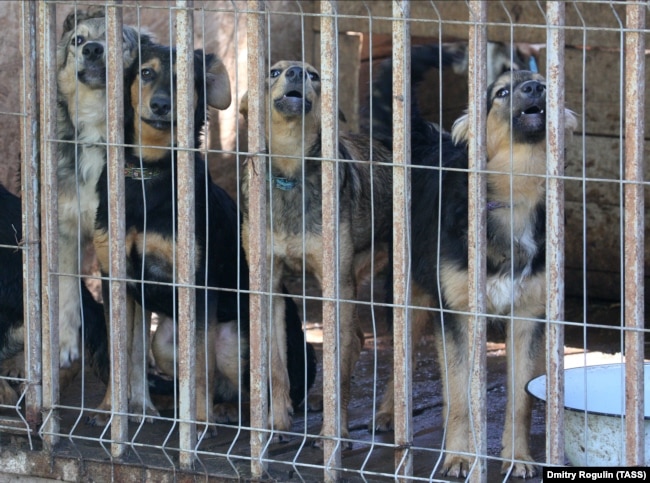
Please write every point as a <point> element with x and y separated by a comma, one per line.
<point>217,82</point>
<point>74,17</point>
<point>243,106</point>
<point>341,116</point>
<point>460,129</point>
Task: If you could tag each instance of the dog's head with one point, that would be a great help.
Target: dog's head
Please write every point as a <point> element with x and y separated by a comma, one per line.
<point>151,95</point>
<point>81,52</point>
<point>293,95</point>
<point>516,113</point>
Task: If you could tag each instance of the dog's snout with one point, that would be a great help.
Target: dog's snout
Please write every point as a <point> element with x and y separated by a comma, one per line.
<point>161,105</point>
<point>93,50</point>
<point>296,74</point>
<point>533,88</point>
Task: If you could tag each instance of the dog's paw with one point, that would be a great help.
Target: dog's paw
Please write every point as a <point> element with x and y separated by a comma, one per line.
<point>281,418</point>
<point>315,403</point>
<point>383,422</point>
<point>520,470</point>
<point>456,466</point>
<point>142,412</point>
<point>68,347</point>
<point>226,413</point>
<point>8,396</point>
<point>98,419</point>
<point>345,445</point>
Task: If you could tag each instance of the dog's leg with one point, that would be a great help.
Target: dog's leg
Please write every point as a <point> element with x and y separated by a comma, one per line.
<point>384,418</point>
<point>69,298</point>
<point>281,409</point>
<point>525,355</point>
<point>102,418</point>
<point>205,375</point>
<point>140,404</point>
<point>453,351</point>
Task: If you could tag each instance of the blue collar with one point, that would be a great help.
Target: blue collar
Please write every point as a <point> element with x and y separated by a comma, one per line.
<point>284,184</point>
<point>495,205</point>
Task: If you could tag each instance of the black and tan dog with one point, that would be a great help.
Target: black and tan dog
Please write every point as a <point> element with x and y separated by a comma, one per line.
<point>516,285</point>
<point>151,225</point>
<point>295,242</point>
<point>81,152</point>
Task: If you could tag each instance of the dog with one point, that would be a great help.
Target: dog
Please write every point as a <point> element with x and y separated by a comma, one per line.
<point>516,165</point>
<point>220,265</point>
<point>12,330</point>
<point>293,133</point>
<point>81,152</point>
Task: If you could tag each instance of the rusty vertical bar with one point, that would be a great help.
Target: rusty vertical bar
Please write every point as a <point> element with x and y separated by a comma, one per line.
<point>403,397</point>
<point>331,346</point>
<point>49,222</point>
<point>31,216</point>
<point>477,329</point>
<point>185,246</point>
<point>555,233</point>
<point>117,252</point>
<point>258,263</point>
<point>634,232</point>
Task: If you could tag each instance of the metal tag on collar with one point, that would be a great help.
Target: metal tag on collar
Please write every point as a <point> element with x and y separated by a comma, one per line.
<point>136,172</point>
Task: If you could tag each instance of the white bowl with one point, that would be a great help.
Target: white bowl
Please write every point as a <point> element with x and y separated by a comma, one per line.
<point>594,409</point>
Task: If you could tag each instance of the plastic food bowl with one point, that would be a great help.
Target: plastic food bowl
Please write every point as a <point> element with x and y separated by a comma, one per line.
<point>594,406</point>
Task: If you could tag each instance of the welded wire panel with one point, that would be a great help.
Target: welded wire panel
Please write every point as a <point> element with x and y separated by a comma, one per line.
<point>593,184</point>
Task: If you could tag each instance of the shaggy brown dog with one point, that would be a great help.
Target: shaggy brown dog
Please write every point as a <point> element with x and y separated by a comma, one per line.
<point>81,152</point>
<point>295,220</point>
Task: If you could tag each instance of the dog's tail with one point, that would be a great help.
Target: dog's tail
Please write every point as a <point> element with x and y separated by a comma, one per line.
<point>423,59</point>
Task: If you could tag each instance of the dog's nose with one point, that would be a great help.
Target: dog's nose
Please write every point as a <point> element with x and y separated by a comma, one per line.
<point>161,105</point>
<point>533,88</point>
<point>296,74</point>
<point>93,50</point>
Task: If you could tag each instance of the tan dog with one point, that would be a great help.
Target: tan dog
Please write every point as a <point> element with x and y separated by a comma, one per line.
<point>293,94</point>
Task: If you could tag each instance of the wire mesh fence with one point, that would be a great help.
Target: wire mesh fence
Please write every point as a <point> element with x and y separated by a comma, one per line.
<point>321,240</point>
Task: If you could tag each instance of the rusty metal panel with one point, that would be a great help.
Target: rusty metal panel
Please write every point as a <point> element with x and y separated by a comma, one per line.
<point>257,209</point>
<point>555,234</point>
<point>49,223</point>
<point>402,367</point>
<point>115,153</point>
<point>477,230</point>
<point>634,236</point>
<point>332,405</point>
<point>31,217</point>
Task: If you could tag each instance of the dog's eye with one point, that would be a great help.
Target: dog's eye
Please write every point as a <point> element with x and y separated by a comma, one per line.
<point>275,72</point>
<point>78,40</point>
<point>147,73</point>
<point>313,76</point>
<point>503,92</point>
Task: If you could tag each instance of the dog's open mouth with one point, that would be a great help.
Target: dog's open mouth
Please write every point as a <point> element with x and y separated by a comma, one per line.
<point>533,110</point>
<point>158,124</point>
<point>293,102</point>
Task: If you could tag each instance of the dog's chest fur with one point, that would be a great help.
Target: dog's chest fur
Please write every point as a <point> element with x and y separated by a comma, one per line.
<point>81,158</point>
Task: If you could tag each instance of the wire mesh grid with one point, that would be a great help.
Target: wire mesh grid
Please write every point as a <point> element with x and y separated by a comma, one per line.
<point>300,184</point>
